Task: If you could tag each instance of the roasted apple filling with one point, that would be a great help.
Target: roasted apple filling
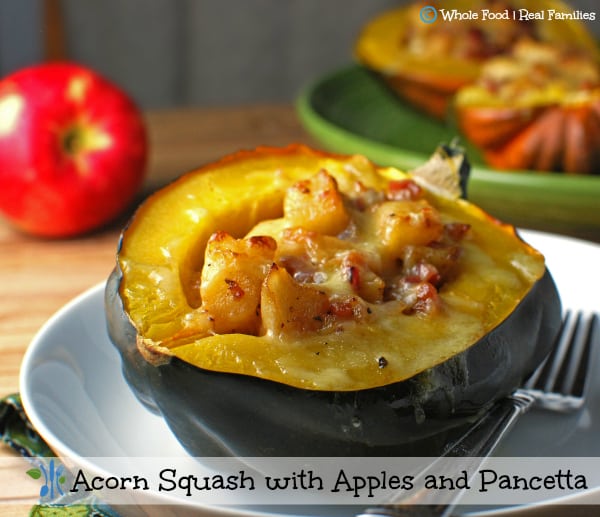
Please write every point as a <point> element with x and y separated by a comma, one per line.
<point>318,271</point>
<point>535,74</point>
<point>333,257</point>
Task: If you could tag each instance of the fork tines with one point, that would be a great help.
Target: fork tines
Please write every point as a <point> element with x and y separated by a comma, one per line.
<point>560,381</point>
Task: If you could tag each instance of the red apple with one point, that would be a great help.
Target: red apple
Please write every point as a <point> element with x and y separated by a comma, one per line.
<point>73,149</point>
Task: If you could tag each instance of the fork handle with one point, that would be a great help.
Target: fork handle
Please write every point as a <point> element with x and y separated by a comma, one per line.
<point>476,444</point>
<point>483,437</point>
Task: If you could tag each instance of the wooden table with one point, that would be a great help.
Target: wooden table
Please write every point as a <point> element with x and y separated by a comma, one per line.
<point>38,276</point>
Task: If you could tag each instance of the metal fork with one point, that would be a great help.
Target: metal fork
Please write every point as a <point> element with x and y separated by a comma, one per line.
<point>558,384</point>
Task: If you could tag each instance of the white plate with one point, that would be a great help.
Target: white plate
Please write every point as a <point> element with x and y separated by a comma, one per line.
<point>75,395</point>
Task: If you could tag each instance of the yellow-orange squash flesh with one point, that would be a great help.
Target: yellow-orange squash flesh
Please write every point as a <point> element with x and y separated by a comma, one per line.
<point>163,274</point>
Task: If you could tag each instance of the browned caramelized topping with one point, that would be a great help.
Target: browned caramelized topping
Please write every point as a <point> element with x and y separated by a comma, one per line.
<point>333,257</point>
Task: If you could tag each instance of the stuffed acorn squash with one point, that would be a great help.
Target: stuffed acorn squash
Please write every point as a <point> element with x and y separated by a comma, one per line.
<point>292,302</point>
<point>426,57</point>
<point>538,109</point>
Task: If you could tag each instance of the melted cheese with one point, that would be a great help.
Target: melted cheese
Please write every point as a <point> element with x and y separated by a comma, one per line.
<point>385,279</point>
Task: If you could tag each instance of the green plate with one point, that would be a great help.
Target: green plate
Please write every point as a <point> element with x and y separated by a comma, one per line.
<point>351,111</point>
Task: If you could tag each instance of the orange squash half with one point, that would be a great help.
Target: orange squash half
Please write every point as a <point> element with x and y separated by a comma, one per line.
<point>538,109</point>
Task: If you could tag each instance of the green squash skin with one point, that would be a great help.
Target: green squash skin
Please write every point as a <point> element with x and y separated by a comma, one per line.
<point>216,414</point>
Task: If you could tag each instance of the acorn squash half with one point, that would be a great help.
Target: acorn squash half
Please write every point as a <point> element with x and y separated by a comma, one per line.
<point>425,57</point>
<point>287,301</point>
<point>535,109</point>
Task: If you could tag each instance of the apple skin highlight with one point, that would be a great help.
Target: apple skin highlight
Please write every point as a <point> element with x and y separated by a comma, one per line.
<point>73,149</point>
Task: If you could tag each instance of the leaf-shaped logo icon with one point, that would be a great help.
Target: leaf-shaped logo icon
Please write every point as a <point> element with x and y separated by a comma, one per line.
<point>34,473</point>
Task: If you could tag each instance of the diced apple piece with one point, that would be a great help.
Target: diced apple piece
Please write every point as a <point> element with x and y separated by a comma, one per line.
<point>231,279</point>
<point>401,223</point>
<point>288,306</point>
<point>316,205</point>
